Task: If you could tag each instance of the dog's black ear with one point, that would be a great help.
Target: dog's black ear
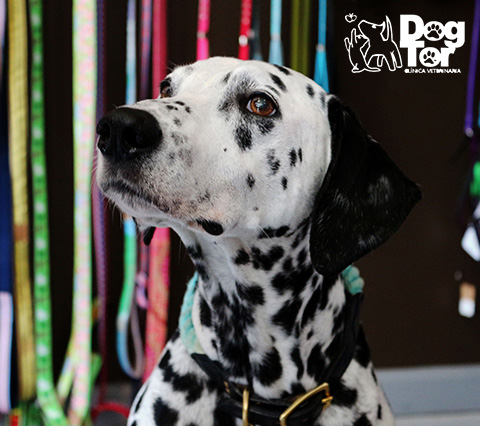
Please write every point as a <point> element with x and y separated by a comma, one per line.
<point>364,197</point>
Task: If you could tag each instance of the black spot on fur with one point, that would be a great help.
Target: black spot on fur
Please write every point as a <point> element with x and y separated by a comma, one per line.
<point>163,414</point>
<point>316,363</point>
<point>310,91</point>
<point>243,136</point>
<point>310,335</point>
<point>294,280</point>
<point>250,180</point>
<point>296,358</point>
<point>300,156</point>
<point>311,307</point>
<point>322,99</point>
<point>242,257</point>
<point>252,294</point>
<point>282,69</point>
<point>270,369</point>
<point>362,351</point>
<point>172,107</point>
<point>274,90</point>
<point>293,157</point>
<point>195,252</point>
<point>362,421</point>
<point>327,284</point>
<point>177,121</point>
<point>379,412</point>
<point>278,81</point>
<point>342,395</point>
<point>265,125</point>
<point>188,383</point>
<point>273,232</point>
<point>265,261</point>
<point>134,423</point>
<point>284,183</point>
<point>188,109</point>
<point>226,78</point>
<point>273,162</point>
<point>205,313</point>
<point>180,103</point>
<point>287,315</point>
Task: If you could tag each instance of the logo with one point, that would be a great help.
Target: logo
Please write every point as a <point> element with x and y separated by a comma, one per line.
<point>372,48</point>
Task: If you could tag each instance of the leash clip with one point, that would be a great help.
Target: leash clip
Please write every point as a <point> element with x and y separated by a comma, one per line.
<point>324,387</point>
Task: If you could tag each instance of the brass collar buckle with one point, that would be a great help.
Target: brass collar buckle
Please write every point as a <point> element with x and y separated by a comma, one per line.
<point>324,387</point>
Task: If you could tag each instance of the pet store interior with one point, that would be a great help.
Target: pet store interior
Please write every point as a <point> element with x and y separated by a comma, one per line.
<point>86,307</point>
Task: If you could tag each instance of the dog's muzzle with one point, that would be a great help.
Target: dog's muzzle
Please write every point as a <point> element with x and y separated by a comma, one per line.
<point>125,133</point>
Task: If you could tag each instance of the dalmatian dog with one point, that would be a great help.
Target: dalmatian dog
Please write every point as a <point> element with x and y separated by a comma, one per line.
<point>274,188</point>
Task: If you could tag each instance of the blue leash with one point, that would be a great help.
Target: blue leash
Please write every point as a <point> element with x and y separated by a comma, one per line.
<point>321,72</point>
<point>276,48</point>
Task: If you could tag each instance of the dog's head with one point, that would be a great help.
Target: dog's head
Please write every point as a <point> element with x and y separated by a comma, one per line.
<point>233,147</point>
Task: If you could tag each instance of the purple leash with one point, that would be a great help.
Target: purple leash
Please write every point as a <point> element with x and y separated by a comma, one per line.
<point>469,112</point>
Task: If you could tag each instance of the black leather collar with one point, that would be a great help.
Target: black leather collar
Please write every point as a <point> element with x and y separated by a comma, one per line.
<point>263,412</point>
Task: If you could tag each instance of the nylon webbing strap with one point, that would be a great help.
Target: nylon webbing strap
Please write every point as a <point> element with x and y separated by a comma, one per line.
<point>79,365</point>
<point>158,276</point>
<point>100,231</point>
<point>158,295</point>
<point>321,72</point>
<point>159,60</point>
<point>254,36</point>
<point>472,73</point>
<point>245,26</point>
<point>146,47</point>
<point>275,55</point>
<point>18,119</point>
<point>127,311</point>
<point>6,238</point>
<point>47,398</point>
<point>203,26</point>
<point>300,35</point>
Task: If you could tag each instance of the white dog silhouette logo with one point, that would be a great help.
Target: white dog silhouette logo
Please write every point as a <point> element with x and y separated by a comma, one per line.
<point>373,46</point>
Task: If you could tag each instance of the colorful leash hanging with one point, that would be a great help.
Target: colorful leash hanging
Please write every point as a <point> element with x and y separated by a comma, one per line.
<point>254,36</point>
<point>245,27</point>
<point>6,242</point>
<point>471,195</point>
<point>275,55</point>
<point>127,315</point>
<point>100,230</point>
<point>46,394</point>
<point>203,26</point>
<point>100,227</point>
<point>18,119</point>
<point>321,71</point>
<point>159,59</point>
<point>300,36</point>
<point>80,367</point>
<point>146,47</point>
<point>159,277</point>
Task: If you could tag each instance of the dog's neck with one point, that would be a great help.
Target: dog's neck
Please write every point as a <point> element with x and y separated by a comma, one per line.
<point>262,310</point>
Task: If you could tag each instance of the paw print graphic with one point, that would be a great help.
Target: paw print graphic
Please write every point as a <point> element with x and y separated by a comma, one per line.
<point>429,57</point>
<point>434,31</point>
<point>351,17</point>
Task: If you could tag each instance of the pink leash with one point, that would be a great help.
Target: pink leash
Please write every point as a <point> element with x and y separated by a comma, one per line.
<point>159,278</point>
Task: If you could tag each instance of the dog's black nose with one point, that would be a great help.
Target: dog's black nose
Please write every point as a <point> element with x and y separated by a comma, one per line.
<point>127,132</point>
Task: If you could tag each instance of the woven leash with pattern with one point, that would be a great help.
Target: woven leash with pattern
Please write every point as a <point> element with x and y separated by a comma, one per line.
<point>18,119</point>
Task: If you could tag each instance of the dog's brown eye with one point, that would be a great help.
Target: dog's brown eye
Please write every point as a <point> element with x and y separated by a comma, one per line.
<point>165,90</point>
<point>261,105</point>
